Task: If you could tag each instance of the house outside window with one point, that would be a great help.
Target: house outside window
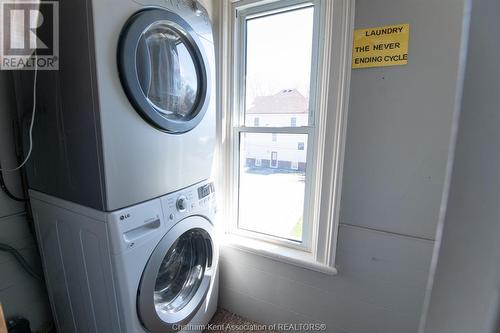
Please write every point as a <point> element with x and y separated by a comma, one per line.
<point>256,121</point>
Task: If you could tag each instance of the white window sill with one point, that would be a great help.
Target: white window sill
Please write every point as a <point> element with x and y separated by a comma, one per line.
<point>276,252</point>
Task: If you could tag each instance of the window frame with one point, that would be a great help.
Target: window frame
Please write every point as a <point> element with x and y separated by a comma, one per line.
<point>308,218</point>
<point>336,24</point>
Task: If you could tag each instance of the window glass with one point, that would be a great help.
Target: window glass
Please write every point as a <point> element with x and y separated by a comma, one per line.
<point>278,67</point>
<point>276,91</point>
<point>272,184</point>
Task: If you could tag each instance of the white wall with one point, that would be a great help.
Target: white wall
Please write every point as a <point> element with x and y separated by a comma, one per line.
<point>466,293</point>
<point>398,140</point>
<point>20,294</point>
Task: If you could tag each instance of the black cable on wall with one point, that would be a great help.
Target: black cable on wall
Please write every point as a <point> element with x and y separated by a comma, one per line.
<point>24,264</point>
<point>6,190</point>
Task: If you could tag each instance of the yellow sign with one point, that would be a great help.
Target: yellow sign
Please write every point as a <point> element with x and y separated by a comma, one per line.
<point>381,46</point>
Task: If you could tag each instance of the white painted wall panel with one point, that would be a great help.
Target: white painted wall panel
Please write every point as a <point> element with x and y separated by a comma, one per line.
<point>23,299</point>
<point>20,294</point>
<point>466,293</point>
<point>400,120</point>
<point>378,289</point>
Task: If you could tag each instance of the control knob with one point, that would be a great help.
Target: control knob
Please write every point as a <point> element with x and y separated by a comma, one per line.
<point>181,203</point>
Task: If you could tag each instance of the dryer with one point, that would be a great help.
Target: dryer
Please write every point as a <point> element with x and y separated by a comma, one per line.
<point>150,268</point>
<point>130,114</point>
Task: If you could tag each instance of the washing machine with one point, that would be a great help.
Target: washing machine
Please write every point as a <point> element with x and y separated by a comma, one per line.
<point>130,114</point>
<point>151,267</point>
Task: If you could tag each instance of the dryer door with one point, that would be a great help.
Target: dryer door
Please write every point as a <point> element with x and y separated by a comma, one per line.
<point>163,69</point>
<point>178,276</point>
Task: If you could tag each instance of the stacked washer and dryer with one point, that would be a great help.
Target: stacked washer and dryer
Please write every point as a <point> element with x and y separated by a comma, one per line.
<point>119,177</point>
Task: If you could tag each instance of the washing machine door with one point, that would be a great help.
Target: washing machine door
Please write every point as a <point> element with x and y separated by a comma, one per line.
<point>178,276</point>
<point>164,70</point>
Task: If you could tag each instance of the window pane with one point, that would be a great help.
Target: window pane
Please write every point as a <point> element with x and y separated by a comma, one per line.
<point>272,184</point>
<point>278,68</point>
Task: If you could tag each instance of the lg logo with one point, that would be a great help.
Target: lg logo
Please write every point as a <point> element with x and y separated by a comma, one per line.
<point>29,36</point>
<point>124,216</point>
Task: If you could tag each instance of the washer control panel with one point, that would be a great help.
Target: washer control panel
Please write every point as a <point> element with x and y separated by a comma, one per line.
<point>144,223</point>
<point>205,190</point>
<point>198,199</point>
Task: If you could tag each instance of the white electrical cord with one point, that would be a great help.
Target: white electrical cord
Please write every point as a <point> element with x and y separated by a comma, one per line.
<point>31,125</point>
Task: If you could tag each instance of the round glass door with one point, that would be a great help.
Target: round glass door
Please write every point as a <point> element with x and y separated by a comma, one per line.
<point>181,271</point>
<point>170,82</point>
<point>163,70</point>
<point>178,275</point>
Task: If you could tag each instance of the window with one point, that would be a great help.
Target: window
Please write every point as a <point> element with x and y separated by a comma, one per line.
<point>274,160</point>
<point>282,168</point>
<point>278,61</point>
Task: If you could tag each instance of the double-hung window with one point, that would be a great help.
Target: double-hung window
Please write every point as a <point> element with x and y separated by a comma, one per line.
<point>277,125</point>
<point>277,54</point>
